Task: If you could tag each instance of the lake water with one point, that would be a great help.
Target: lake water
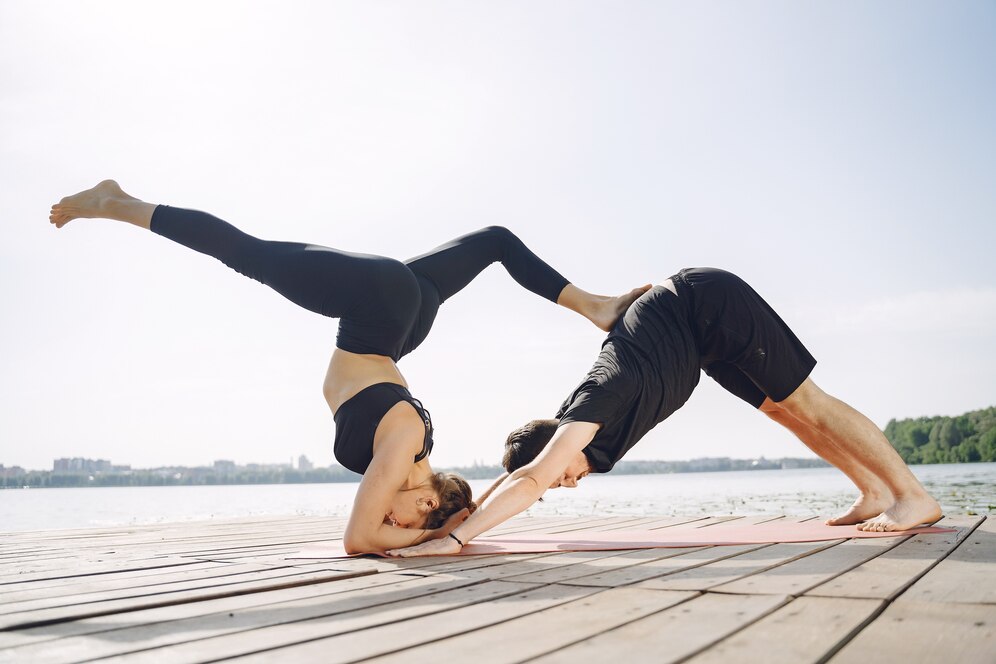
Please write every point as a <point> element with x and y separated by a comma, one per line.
<point>960,488</point>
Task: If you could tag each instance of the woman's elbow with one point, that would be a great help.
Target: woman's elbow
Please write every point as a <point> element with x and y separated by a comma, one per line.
<point>355,543</point>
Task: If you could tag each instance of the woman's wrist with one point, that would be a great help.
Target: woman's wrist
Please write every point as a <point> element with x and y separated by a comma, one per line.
<point>455,538</point>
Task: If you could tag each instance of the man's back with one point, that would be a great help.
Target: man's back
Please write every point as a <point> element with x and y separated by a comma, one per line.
<point>647,369</point>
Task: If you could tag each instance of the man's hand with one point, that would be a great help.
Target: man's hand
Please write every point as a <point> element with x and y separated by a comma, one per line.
<point>446,546</point>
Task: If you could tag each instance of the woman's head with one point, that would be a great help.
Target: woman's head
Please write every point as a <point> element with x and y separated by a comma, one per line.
<point>432,502</point>
<point>454,495</point>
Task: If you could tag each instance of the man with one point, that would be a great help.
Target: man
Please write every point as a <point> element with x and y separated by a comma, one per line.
<point>649,365</point>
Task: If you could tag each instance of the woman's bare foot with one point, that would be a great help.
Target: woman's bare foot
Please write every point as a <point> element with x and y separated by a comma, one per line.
<point>605,311</point>
<point>904,514</point>
<point>865,507</point>
<point>102,201</point>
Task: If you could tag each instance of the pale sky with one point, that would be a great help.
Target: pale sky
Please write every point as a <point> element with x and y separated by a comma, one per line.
<point>841,157</point>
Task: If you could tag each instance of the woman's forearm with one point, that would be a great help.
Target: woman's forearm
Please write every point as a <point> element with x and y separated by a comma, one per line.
<point>386,537</point>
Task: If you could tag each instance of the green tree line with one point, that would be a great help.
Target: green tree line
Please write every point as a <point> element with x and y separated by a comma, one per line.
<point>962,439</point>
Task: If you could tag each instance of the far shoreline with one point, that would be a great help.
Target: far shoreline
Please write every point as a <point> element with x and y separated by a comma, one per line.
<point>478,472</point>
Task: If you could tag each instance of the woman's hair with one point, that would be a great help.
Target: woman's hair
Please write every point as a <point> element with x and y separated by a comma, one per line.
<point>525,443</point>
<point>454,495</point>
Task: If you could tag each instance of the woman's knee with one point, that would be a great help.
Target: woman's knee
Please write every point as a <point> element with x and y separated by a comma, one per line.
<point>500,236</point>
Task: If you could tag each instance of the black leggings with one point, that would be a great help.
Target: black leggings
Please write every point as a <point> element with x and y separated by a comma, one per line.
<point>385,307</point>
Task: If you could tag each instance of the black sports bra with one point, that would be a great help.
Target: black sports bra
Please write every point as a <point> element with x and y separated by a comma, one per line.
<point>356,423</point>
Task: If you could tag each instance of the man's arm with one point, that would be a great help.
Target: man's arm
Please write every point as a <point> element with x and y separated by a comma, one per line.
<point>522,488</point>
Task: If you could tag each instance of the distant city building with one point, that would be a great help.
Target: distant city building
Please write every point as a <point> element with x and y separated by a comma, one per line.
<point>255,467</point>
<point>13,471</point>
<point>81,466</point>
<point>304,464</point>
<point>225,467</point>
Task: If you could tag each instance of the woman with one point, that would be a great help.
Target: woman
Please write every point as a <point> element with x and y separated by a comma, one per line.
<point>386,309</point>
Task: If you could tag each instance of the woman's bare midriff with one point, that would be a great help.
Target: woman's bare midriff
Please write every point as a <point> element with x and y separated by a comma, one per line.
<point>349,373</point>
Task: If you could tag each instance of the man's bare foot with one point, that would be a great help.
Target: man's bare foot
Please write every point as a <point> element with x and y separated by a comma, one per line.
<point>90,204</point>
<point>865,507</point>
<point>904,514</point>
<point>607,310</point>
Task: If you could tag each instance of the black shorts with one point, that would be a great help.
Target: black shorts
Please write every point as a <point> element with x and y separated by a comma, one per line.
<point>744,345</point>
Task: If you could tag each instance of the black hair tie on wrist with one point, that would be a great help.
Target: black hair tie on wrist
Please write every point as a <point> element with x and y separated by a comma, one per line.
<point>457,539</point>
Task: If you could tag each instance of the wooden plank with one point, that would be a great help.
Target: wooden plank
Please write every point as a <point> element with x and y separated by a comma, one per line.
<point>730,569</point>
<point>807,629</point>
<point>176,582</point>
<point>967,575</point>
<point>363,634</point>
<point>657,523</point>
<point>916,631</point>
<point>800,575</point>
<point>888,575</point>
<point>502,567</point>
<point>94,569</point>
<point>199,532</point>
<point>626,575</point>
<point>588,565</point>
<point>67,582</point>
<point>545,631</point>
<point>22,598</point>
<point>260,582</point>
<point>619,560</point>
<point>225,605</point>
<point>671,635</point>
<point>136,631</point>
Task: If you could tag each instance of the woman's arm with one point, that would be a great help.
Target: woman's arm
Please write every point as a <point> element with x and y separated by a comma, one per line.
<point>399,439</point>
<point>522,488</point>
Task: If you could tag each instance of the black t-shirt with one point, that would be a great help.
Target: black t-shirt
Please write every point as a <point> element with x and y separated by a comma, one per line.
<point>647,369</point>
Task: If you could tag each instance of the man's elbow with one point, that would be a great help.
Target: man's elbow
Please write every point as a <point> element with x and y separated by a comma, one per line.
<point>531,478</point>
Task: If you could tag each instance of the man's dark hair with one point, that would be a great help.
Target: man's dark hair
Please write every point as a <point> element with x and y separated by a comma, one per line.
<point>525,443</point>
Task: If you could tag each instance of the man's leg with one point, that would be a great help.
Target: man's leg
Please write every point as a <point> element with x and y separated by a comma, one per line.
<point>741,330</point>
<point>874,496</point>
<point>864,445</point>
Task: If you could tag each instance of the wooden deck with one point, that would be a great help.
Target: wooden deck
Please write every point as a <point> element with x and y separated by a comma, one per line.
<point>224,590</point>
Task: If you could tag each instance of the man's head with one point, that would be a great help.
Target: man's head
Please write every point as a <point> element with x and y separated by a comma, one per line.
<point>525,443</point>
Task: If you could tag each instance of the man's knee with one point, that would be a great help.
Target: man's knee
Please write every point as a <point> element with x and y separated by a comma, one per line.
<point>769,407</point>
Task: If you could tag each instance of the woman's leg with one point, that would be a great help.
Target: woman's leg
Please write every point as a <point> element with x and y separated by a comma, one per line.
<point>455,264</point>
<point>326,281</point>
<point>105,201</point>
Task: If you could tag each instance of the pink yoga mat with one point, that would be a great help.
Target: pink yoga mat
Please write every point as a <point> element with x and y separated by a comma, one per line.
<point>677,536</point>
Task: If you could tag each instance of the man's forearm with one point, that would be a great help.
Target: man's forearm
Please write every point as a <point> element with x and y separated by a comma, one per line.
<point>517,494</point>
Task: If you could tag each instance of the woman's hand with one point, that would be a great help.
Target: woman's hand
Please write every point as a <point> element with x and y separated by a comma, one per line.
<point>447,546</point>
